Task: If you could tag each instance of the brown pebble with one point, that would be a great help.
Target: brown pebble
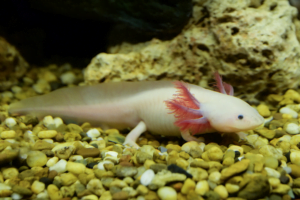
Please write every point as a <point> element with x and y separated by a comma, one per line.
<point>177,186</point>
<point>88,152</point>
<point>120,195</point>
<point>125,164</point>
<point>277,116</point>
<point>52,174</point>
<point>42,145</point>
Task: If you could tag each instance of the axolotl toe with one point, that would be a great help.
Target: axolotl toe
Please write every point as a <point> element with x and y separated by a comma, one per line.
<point>170,108</point>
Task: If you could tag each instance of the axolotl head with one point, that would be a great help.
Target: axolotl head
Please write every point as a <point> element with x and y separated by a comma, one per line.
<point>231,114</point>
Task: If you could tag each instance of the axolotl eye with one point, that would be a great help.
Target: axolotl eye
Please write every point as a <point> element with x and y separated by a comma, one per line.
<point>240,117</point>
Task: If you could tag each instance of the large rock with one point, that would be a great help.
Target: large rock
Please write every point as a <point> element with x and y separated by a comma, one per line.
<point>12,65</point>
<point>253,46</point>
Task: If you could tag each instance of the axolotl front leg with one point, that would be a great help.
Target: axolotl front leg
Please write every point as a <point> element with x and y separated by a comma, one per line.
<point>135,134</point>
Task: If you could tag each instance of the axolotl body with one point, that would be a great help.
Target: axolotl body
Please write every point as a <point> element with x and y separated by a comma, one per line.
<point>162,107</point>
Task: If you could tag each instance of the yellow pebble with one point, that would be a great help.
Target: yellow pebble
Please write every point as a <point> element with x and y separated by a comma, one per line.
<point>221,190</point>
<point>75,168</point>
<point>47,134</point>
<point>188,185</point>
<point>287,116</point>
<point>8,134</point>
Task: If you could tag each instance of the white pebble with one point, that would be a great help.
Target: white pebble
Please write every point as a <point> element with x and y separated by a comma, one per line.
<point>272,172</point>
<point>52,161</point>
<point>295,157</point>
<point>16,196</point>
<point>37,187</point>
<point>43,195</point>
<point>167,193</point>
<point>42,86</point>
<point>58,121</point>
<point>93,133</point>
<point>202,187</point>
<point>101,164</point>
<point>147,177</point>
<point>10,122</point>
<point>111,153</point>
<point>287,169</point>
<point>48,121</point>
<point>287,110</point>
<point>68,78</point>
<point>3,186</point>
<point>60,166</point>
<point>74,158</point>
<point>292,128</point>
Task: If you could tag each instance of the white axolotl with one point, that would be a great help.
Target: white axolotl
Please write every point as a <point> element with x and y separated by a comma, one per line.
<point>162,107</point>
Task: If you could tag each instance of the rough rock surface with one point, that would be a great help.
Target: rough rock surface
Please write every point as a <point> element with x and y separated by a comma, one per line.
<point>253,45</point>
<point>12,65</point>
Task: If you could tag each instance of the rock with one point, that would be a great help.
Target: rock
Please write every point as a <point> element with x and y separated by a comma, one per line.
<point>158,167</point>
<point>10,122</point>
<point>68,78</point>
<point>88,152</point>
<point>13,65</point>
<point>295,157</point>
<point>213,154</point>
<point>47,134</point>
<point>236,168</point>
<point>11,134</point>
<point>10,172</point>
<point>221,191</point>
<point>125,171</point>
<point>42,145</point>
<point>37,187</point>
<point>122,195</point>
<point>291,128</point>
<point>268,150</point>
<point>198,173</point>
<point>214,177</point>
<point>295,170</point>
<point>68,179</point>
<point>272,172</point>
<point>281,189</point>
<point>54,191</point>
<point>166,193</point>
<point>188,185</point>
<point>202,187</point>
<point>147,177</point>
<point>21,190</point>
<point>95,186</point>
<point>164,177</point>
<point>270,162</point>
<point>263,110</point>
<point>213,43</point>
<point>60,166</point>
<point>287,110</point>
<point>270,134</point>
<point>36,159</point>
<point>75,168</point>
<point>257,187</point>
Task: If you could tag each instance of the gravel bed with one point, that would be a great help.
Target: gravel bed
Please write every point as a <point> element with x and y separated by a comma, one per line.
<point>49,159</point>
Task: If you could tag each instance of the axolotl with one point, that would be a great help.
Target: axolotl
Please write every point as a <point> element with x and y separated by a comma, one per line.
<point>169,108</point>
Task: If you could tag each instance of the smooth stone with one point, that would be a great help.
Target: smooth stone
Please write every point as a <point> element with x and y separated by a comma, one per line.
<point>42,145</point>
<point>188,185</point>
<point>60,166</point>
<point>125,171</point>
<point>68,179</point>
<point>236,168</point>
<point>47,134</point>
<point>147,177</point>
<point>122,195</point>
<point>21,190</point>
<point>75,168</point>
<point>257,187</point>
<point>164,177</point>
<point>88,152</point>
<point>263,110</point>
<point>54,191</point>
<point>158,167</point>
<point>202,187</point>
<point>167,193</point>
<point>37,187</point>
<point>295,157</point>
<point>36,159</point>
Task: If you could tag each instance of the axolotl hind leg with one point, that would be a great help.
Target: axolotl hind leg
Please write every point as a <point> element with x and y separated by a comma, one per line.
<point>134,134</point>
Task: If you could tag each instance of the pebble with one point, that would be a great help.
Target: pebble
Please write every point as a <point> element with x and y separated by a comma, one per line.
<point>93,133</point>
<point>60,166</point>
<point>41,87</point>
<point>167,193</point>
<point>263,110</point>
<point>202,187</point>
<point>68,78</point>
<point>68,179</point>
<point>88,152</point>
<point>75,168</point>
<point>122,195</point>
<point>287,110</point>
<point>295,157</point>
<point>291,128</point>
<point>235,169</point>
<point>221,191</point>
<point>215,177</point>
<point>256,188</point>
<point>10,172</point>
<point>37,187</point>
<point>11,134</point>
<point>147,177</point>
<point>176,169</point>
<point>272,172</point>
<point>36,159</point>
<point>10,122</point>
<point>48,134</point>
<point>125,171</point>
<point>188,185</point>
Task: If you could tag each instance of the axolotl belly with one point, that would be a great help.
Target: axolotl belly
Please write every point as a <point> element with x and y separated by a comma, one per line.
<point>162,107</point>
